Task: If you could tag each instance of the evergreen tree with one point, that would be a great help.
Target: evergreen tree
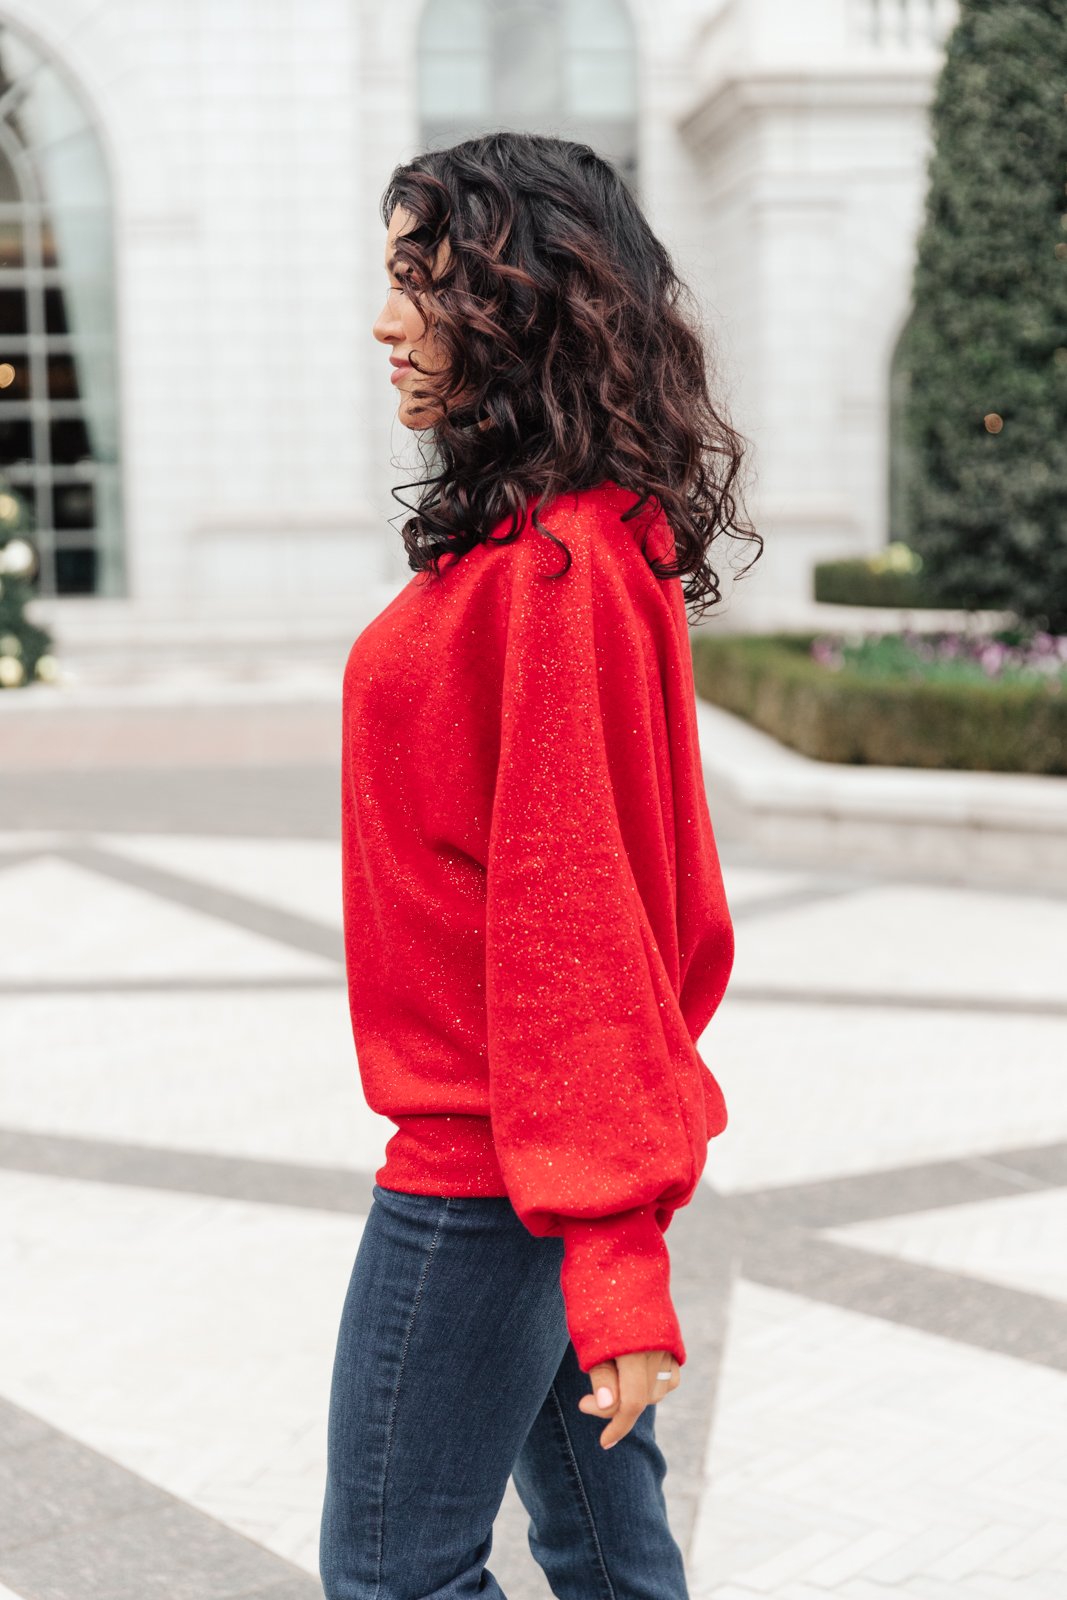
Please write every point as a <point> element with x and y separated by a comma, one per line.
<point>985,350</point>
<point>25,648</point>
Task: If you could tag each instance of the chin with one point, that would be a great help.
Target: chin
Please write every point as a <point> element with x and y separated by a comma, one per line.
<point>411,417</point>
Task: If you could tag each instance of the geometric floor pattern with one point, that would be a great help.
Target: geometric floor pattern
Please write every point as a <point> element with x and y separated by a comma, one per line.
<point>872,1279</point>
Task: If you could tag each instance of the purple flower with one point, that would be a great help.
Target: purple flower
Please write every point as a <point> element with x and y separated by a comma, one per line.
<point>992,658</point>
<point>826,653</point>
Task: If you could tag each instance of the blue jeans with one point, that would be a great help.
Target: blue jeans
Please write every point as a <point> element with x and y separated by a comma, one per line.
<point>454,1369</point>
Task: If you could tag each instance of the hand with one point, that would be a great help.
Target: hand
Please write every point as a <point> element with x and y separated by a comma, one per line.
<point>632,1384</point>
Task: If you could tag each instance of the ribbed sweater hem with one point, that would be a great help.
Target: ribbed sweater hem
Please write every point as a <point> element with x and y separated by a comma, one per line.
<point>442,1153</point>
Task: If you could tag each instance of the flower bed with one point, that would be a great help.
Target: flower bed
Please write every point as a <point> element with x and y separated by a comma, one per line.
<point>996,703</point>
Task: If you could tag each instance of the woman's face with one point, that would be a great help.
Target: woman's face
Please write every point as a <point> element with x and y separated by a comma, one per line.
<point>400,326</point>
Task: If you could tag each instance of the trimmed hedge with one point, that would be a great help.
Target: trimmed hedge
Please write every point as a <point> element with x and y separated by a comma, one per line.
<point>772,681</point>
<point>858,582</point>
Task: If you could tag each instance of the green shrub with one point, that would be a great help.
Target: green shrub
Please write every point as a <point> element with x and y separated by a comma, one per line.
<point>889,578</point>
<point>844,716</point>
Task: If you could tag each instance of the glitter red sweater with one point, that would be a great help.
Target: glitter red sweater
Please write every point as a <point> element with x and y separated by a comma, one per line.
<point>536,932</point>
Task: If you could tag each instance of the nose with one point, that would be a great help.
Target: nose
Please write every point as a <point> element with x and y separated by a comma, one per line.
<point>387,328</point>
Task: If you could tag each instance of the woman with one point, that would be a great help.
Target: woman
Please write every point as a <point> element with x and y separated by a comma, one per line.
<point>535,926</point>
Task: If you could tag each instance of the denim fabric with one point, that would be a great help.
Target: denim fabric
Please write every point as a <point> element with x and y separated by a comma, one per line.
<point>454,1370</point>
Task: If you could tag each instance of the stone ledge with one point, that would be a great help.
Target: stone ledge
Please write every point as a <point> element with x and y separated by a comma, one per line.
<point>800,614</point>
<point>999,828</point>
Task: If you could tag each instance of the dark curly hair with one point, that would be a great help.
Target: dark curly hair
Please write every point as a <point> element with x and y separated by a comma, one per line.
<point>566,358</point>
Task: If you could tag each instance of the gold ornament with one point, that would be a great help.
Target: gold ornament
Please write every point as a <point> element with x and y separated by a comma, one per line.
<point>10,644</point>
<point>47,669</point>
<point>11,673</point>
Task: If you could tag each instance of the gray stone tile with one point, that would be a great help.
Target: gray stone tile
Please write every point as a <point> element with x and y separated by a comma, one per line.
<point>989,1316</point>
<point>770,994</point>
<point>924,1186</point>
<point>1045,1165</point>
<point>705,1259</point>
<point>54,1485</point>
<point>76,1526</point>
<point>19,1428</point>
<point>32,987</point>
<point>301,1588</point>
<point>17,858</point>
<point>287,801</point>
<point>164,1552</point>
<point>187,1171</point>
<point>255,916</point>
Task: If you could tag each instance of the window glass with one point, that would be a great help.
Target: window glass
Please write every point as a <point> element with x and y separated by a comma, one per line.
<point>58,383</point>
<point>450,78</point>
<point>459,25</point>
<point>598,25</point>
<point>599,84</point>
<point>565,67</point>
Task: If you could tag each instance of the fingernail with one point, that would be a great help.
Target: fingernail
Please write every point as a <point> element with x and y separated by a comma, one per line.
<point>604,1396</point>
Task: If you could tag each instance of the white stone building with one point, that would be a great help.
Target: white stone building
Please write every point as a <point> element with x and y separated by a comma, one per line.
<point>190,262</point>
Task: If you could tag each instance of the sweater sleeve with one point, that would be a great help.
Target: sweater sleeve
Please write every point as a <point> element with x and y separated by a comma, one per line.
<point>596,1088</point>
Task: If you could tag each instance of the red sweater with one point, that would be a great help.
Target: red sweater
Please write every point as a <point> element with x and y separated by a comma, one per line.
<point>536,931</point>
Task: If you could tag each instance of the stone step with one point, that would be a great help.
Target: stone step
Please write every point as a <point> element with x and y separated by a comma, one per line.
<point>961,827</point>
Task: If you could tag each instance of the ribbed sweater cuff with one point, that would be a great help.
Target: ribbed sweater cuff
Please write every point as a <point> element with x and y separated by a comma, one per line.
<point>616,1287</point>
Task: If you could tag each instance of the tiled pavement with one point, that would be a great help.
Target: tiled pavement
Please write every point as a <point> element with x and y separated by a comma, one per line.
<point>872,1280</point>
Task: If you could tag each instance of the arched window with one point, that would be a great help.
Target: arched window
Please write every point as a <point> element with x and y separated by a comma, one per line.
<point>58,400</point>
<point>565,67</point>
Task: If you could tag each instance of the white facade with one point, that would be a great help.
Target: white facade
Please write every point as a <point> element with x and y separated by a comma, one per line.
<point>781,152</point>
<point>809,139</point>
